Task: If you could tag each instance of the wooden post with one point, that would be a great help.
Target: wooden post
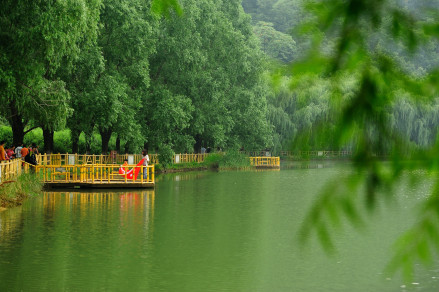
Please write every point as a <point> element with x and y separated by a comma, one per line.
<point>152,173</point>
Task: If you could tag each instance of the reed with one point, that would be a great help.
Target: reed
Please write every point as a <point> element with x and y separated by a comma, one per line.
<point>12,193</point>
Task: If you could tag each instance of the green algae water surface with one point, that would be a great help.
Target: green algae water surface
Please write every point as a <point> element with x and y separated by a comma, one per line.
<point>203,231</point>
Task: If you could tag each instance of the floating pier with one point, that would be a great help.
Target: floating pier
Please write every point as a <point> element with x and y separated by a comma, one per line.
<point>95,176</point>
<point>265,162</point>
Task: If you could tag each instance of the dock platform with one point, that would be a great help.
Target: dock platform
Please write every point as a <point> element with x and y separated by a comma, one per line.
<point>95,176</point>
<point>98,185</point>
<point>265,162</point>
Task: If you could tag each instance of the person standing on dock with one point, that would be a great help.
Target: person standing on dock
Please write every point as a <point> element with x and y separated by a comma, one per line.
<point>31,157</point>
<point>35,149</point>
<point>10,152</point>
<point>18,150</point>
<point>145,163</point>
<point>2,151</point>
<point>24,152</point>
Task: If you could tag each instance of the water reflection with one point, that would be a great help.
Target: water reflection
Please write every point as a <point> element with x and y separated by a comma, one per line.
<point>312,164</point>
<point>128,200</point>
<point>182,176</point>
<point>8,226</point>
<point>52,205</point>
<point>204,231</point>
<point>197,175</point>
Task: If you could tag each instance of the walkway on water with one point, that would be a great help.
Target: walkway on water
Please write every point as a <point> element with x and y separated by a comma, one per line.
<point>103,171</point>
<point>96,176</point>
<point>81,159</point>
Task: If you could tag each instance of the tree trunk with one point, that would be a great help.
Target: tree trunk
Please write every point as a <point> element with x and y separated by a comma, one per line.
<point>48,140</point>
<point>198,143</point>
<point>75,140</point>
<point>88,137</point>
<point>17,125</point>
<point>127,148</point>
<point>118,144</point>
<point>17,131</point>
<point>105,135</point>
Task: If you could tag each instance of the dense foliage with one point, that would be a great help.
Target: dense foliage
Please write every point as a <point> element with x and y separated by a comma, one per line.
<point>139,73</point>
<point>305,105</point>
<point>117,74</point>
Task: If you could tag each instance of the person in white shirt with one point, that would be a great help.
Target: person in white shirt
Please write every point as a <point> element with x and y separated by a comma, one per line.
<point>18,151</point>
<point>145,163</point>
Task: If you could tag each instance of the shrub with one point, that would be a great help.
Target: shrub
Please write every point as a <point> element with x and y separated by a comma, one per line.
<point>6,134</point>
<point>62,142</point>
<point>34,136</point>
<point>234,159</point>
<point>96,145</point>
<point>12,194</point>
<point>213,160</point>
<point>166,155</point>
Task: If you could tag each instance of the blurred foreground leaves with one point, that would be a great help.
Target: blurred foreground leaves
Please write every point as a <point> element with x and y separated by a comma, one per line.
<point>361,118</point>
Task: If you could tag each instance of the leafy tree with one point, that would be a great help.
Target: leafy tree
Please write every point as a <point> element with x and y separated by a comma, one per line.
<point>113,74</point>
<point>168,116</point>
<point>127,41</point>
<point>275,44</point>
<point>210,56</point>
<point>82,82</point>
<point>36,39</point>
<point>279,21</point>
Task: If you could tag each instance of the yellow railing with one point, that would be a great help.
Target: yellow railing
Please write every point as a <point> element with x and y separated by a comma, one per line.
<point>185,158</point>
<point>317,153</point>
<point>11,169</point>
<point>113,160</point>
<point>75,159</point>
<point>265,161</point>
<point>94,173</point>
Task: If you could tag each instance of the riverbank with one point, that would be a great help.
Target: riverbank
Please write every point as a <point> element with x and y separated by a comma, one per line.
<point>217,161</point>
<point>183,167</point>
<point>14,192</point>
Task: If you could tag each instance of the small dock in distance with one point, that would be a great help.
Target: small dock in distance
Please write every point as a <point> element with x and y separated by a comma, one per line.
<point>265,162</point>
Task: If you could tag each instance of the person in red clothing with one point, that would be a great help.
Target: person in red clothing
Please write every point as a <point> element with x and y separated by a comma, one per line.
<point>10,152</point>
<point>24,152</point>
<point>123,170</point>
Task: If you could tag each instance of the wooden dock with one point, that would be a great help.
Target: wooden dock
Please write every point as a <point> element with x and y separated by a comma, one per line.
<point>265,162</point>
<point>94,176</point>
<point>99,185</point>
<point>101,171</point>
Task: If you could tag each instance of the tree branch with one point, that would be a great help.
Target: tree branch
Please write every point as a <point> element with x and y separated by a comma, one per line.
<point>33,128</point>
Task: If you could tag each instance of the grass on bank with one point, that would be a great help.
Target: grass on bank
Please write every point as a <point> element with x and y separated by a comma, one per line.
<point>229,160</point>
<point>221,161</point>
<point>13,193</point>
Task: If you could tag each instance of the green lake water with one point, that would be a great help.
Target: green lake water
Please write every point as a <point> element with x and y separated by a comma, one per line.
<point>203,231</point>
